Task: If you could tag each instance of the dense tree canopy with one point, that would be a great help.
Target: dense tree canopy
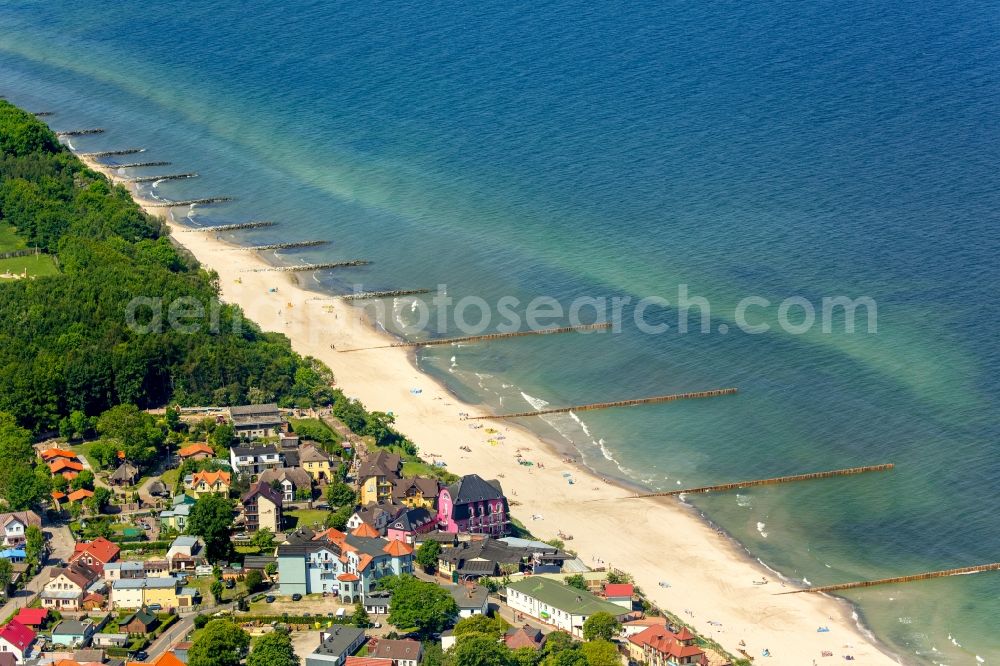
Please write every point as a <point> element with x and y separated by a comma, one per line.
<point>419,606</point>
<point>220,643</point>
<point>273,649</point>
<point>211,518</point>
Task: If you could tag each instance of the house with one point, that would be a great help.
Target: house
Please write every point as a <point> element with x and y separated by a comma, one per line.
<point>176,517</point>
<point>472,599</point>
<point>125,475</point>
<point>255,421</point>
<point>620,594</point>
<point>73,633</point>
<point>262,508</point>
<point>139,623</point>
<point>376,475</point>
<point>169,658</point>
<point>376,516</point>
<point>14,554</point>
<point>659,646</point>
<point>561,606</point>
<point>96,553</point>
<point>157,488</point>
<point>410,523</point>
<point>473,505</point>
<point>543,557</point>
<point>102,640</point>
<point>140,592</point>
<point>185,553</point>
<point>335,644</point>
<point>633,627</point>
<point>129,569</point>
<point>292,481</point>
<point>406,652</point>
<point>33,618</point>
<point>416,492</point>
<point>79,495</point>
<point>316,463</point>
<point>482,557</point>
<point>208,483</point>
<point>526,636</point>
<point>196,451</point>
<point>68,468</point>
<point>348,564</point>
<point>14,525</point>
<point>252,460</point>
<point>367,661</point>
<point>16,639</point>
<point>48,455</point>
<point>68,585</point>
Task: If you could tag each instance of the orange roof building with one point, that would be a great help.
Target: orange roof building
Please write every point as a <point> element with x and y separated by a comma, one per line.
<point>53,453</point>
<point>166,659</point>
<point>62,465</point>
<point>80,495</point>
<point>658,644</point>
<point>96,553</point>
<point>195,450</point>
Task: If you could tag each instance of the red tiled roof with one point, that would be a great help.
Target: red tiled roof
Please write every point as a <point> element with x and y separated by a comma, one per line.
<point>80,494</point>
<point>17,635</point>
<point>397,548</point>
<point>166,659</point>
<point>365,530</point>
<point>665,642</point>
<point>367,661</point>
<point>210,478</point>
<point>347,577</point>
<point>32,617</point>
<point>49,454</point>
<point>195,449</point>
<point>618,590</point>
<point>56,495</point>
<point>100,549</point>
<point>62,464</point>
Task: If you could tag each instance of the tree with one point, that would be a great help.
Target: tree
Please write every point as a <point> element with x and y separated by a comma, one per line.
<point>616,578</point>
<point>433,654</point>
<point>601,653</point>
<point>216,589</point>
<point>271,568</point>
<point>577,581</point>
<point>341,494</point>
<point>34,544</point>
<point>423,607</point>
<point>172,419</point>
<point>6,574</point>
<point>273,649</point>
<point>482,624</point>
<point>427,555</point>
<point>85,479</point>
<point>222,437</point>
<point>103,453</point>
<point>220,643</point>
<point>253,580</point>
<point>338,519</point>
<point>525,656</point>
<point>556,642</point>
<point>478,650</point>
<point>101,498</point>
<point>263,539</point>
<point>211,518</point>
<point>601,626</point>
<point>360,617</point>
<point>135,432</point>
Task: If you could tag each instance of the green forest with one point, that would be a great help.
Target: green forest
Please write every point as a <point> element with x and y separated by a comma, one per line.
<point>65,345</point>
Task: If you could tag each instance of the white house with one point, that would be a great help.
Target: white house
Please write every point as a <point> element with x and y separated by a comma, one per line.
<point>15,524</point>
<point>558,605</point>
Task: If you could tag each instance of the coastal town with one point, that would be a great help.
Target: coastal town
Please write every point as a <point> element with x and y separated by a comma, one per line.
<point>258,521</point>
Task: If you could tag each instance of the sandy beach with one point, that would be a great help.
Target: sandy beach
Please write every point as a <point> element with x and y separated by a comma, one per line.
<point>709,579</point>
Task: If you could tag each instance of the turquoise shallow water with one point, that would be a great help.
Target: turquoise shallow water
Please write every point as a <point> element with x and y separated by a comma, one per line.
<point>562,149</point>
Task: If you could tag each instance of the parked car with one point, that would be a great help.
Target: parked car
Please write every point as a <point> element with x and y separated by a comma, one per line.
<point>296,597</point>
<point>269,599</point>
<point>230,583</point>
<point>141,655</point>
<point>156,608</point>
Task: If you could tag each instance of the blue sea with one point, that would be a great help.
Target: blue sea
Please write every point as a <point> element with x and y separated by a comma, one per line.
<point>568,149</point>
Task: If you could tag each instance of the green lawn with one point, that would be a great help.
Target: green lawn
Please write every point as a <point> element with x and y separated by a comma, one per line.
<point>36,265</point>
<point>9,240</point>
<point>306,517</point>
<point>316,430</point>
<point>170,477</point>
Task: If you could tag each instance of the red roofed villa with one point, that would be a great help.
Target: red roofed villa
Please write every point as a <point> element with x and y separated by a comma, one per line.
<point>96,553</point>
<point>17,639</point>
<point>658,646</point>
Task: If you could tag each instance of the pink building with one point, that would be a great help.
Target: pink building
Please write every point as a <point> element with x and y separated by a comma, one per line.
<point>410,523</point>
<point>473,505</point>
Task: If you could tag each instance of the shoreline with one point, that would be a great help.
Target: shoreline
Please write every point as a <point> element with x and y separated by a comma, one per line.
<point>710,574</point>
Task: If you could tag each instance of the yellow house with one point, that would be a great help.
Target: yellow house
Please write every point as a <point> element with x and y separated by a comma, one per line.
<point>138,592</point>
<point>416,493</point>
<point>206,483</point>
<point>376,476</point>
<point>316,462</point>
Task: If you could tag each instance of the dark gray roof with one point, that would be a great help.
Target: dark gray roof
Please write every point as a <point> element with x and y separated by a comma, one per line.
<point>473,488</point>
<point>338,639</point>
<point>262,489</point>
<point>490,550</point>
<point>259,450</point>
<point>412,519</point>
<point>380,464</point>
<point>468,597</point>
<point>258,561</point>
<point>253,410</point>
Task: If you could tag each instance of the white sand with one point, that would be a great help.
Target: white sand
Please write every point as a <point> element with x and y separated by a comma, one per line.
<point>710,577</point>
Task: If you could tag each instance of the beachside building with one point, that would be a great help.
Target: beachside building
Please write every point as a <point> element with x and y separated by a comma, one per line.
<point>346,563</point>
<point>316,462</point>
<point>196,451</point>
<point>252,460</point>
<point>15,524</point>
<point>473,505</point>
<point>561,606</point>
<point>95,554</point>
<point>620,593</point>
<point>262,508</point>
<point>659,646</point>
<point>208,483</point>
<point>335,644</point>
<point>411,522</point>
<point>404,652</point>
<point>68,585</point>
<point>416,492</point>
<point>16,639</point>
<point>376,476</point>
<point>291,481</point>
<point>255,421</point>
<point>482,557</point>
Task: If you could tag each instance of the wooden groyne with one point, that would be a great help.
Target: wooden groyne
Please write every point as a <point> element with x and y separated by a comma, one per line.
<point>81,132</point>
<point>113,153</point>
<point>299,268</point>
<point>850,471</point>
<point>489,336</point>
<point>153,179</point>
<point>257,224</point>
<point>617,403</point>
<point>364,295</point>
<point>190,202</point>
<point>284,246</point>
<point>995,566</point>
<point>138,165</point>
<point>43,114</point>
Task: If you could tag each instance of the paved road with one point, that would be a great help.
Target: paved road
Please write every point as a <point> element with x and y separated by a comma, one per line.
<point>174,634</point>
<point>61,546</point>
